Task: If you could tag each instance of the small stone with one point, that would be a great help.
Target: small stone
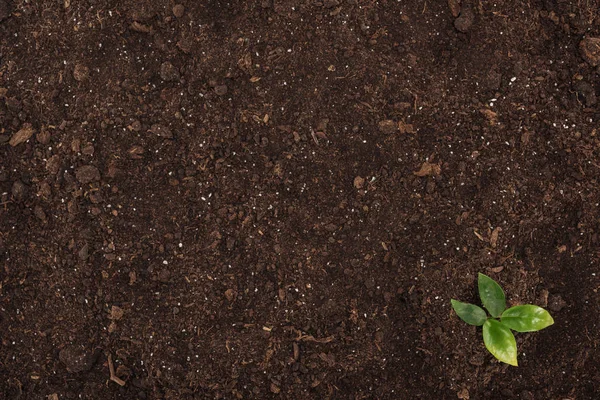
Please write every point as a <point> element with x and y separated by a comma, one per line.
<point>388,126</point>
<point>87,174</point>
<point>77,358</point>
<point>168,72</point>
<point>589,49</point>
<point>81,72</point>
<point>178,10</point>
<point>359,182</point>
<point>465,20</point>
<point>221,90</point>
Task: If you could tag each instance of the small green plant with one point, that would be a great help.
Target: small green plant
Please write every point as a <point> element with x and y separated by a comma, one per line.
<point>497,335</point>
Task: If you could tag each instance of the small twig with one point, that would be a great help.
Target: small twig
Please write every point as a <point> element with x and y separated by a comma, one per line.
<point>111,369</point>
<point>314,136</point>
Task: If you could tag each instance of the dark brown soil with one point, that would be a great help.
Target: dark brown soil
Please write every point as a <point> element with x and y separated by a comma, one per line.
<point>278,198</point>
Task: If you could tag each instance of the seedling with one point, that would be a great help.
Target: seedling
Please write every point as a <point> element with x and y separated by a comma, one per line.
<point>497,335</point>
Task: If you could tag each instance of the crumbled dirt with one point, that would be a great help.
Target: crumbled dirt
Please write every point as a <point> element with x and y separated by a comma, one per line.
<point>182,217</point>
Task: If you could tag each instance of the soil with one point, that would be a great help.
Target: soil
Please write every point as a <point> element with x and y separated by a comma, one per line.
<point>278,198</point>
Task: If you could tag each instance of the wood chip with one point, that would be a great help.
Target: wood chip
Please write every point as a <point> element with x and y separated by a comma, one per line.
<point>359,182</point>
<point>405,128</point>
<point>116,313</point>
<point>589,48</point>
<point>311,338</point>
<point>429,169</point>
<point>454,7</point>
<point>491,116</point>
<point>275,389</point>
<point>478,235</point>
<point>135,152</point>
<point>525,136</point>
<point>23,135</point>
<point>136,26</point>
<point>113,376</point>
<point>463,394</point>
<point>388,126</point>
<point>494,236</point>
<point>230,294</point>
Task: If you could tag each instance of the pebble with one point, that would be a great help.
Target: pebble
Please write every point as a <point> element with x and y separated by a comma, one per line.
<point>87,174</point>
<point>77,358</point>
<point>589,48</point>
<point>178,10</point>
<point>168,72</point>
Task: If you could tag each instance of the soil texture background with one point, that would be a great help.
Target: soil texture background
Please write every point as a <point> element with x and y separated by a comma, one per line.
<point>228,199</point>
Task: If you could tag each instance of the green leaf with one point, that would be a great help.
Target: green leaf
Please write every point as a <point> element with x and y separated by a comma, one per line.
<point>500,341</point>
<point>526,318</point>
<point>470,313</point>
<point>492,295</point>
